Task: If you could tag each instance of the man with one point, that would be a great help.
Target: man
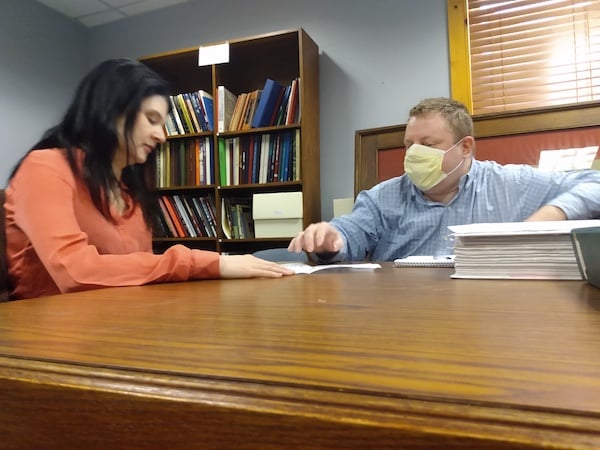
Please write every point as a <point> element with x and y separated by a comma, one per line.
<point>444,185</point>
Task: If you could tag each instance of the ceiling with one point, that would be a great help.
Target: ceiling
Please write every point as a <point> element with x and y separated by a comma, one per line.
<point>97,12</point>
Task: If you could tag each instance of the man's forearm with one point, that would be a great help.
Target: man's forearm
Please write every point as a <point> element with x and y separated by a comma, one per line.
<point>549,213</point>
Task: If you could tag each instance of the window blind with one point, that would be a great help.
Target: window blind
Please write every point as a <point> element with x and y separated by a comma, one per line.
<point>532,54</point>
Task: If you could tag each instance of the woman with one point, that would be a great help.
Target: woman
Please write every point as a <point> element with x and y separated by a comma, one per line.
<point>78,214</point>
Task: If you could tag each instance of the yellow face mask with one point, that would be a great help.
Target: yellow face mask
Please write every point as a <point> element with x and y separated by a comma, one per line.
<point>423,165</point>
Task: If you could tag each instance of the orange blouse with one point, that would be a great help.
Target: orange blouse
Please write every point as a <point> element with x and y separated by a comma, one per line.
<point>57,241</point>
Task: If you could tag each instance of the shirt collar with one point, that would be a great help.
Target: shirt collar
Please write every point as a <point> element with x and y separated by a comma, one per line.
<point>469,178</point>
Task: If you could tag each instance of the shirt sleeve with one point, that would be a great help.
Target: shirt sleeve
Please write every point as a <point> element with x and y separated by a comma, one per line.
<point>362,229</point>
<point>576,193</point>
<point>43,195</point>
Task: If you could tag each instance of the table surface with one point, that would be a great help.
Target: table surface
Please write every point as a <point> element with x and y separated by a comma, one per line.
<point>394,348</point>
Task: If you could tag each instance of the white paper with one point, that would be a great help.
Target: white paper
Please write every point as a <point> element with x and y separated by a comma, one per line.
<point>568,159</point>
<point>514,228</point>
<point>213,54</point>
<point>300,268</point>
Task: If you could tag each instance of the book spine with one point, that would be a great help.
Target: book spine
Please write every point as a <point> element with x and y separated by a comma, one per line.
<point>196,127</point>
<point>182,110</point>
<point>174,216</point>
<point>167,218</point>
<point>185,219</point>
<point>175,111</point>
<point>203,220</point>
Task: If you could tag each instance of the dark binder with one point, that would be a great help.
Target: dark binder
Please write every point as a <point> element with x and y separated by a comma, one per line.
<point>586,243</point>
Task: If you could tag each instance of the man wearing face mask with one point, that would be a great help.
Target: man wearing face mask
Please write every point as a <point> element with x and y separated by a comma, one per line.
<point>444,185</point>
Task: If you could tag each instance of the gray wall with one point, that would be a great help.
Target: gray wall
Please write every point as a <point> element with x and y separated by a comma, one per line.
<point>377,59</point>
<point>43,56</point>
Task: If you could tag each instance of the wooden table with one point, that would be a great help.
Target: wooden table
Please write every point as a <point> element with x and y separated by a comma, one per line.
<point>384,359</point>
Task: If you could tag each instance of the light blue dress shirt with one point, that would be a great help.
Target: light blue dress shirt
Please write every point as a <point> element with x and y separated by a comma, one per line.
<point>394,219</point>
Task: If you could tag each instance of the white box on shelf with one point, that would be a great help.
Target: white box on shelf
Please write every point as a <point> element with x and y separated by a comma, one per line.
<point>277,214</point>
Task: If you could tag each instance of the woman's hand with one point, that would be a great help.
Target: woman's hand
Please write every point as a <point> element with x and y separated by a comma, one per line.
<point>248,266</point>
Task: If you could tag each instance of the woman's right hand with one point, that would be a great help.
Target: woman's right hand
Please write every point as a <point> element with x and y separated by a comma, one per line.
<point>248,266</point>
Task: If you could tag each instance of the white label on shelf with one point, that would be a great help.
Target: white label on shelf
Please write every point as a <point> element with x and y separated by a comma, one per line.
<point>213,54</point>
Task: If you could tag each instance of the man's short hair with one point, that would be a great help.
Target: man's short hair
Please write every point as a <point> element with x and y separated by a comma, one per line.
<point>456,114</point>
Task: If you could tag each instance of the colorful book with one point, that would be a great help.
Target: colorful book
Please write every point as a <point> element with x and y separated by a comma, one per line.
<point>238,111</point>
<point>174,216</point>
<point>225,106</point>
<point>176,116</point>
<point>266,105</point>
<point>167,218</point>
<point>208,106</point>
<point>196,122</point>
<point>280,115</point>
<point>184,114</point>
<point>290,116</point>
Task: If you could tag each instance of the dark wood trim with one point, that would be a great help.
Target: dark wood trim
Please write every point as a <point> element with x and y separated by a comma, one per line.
<point>532,121</point>
<point>369,141</point>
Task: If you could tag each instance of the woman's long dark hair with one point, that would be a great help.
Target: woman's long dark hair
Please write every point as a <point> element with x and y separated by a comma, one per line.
<point>113,89</point>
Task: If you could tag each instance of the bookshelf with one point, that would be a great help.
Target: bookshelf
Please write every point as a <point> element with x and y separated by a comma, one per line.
<point>287,57</point>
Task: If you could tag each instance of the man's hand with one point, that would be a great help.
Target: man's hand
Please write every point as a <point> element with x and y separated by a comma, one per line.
<point>318,237</point>
<point>547,213</point>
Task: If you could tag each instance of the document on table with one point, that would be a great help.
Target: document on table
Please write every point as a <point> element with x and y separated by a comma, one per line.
<point>520,228</point>
<point>425,261</point>
<point>300,268</point>
<point>517,250</point>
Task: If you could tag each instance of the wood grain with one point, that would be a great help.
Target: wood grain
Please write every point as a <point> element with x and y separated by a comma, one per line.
<point>394,358</point>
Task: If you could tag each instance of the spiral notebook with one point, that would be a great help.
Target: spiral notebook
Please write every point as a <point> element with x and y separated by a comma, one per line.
<point>425,261</point>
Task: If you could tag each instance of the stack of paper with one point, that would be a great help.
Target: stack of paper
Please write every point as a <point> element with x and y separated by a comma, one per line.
<point>524,250</point>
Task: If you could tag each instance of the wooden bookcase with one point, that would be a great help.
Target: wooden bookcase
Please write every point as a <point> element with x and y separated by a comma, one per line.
<point>282,56</point>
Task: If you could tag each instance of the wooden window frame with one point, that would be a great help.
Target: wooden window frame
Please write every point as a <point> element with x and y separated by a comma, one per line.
<point>369,142</point>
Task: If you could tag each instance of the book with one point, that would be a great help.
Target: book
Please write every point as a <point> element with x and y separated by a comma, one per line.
<point>586,245</point>
<point>186,220</point>
<point>167,219</point>
<point>225,106</point>
<point>517,250</point>
<point>266,104</point>
<point>174,216</point>
<point>293,101</point>
<point>201,207</point>
<point>238,111</point>
<point>208,108</point>
<point>198,112</point>
<point>177,118</point>
<point>253,99</point>
<point>226,224</point>
<point>193,112</point>
<point>425,261</point>
<point>277,107</point>
<point>171,125</point>
<point>280,114</point>
<point>194,217</point>
<point>186,119</point>
<point>222,149</point>
<point>301,268</point>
